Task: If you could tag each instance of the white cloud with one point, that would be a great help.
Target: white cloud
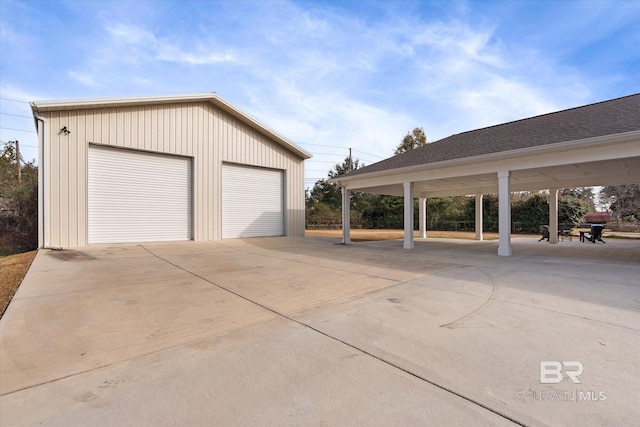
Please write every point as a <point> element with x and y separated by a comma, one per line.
<point>84,79</point>
<point>201,56</point>
<point>354,75</point>
<point>144,45</point>
<point>131,34</point>
<point>330,119</point>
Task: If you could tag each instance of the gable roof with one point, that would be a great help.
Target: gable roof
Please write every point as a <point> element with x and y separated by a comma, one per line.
<point>81,104</point>
<point>611,117</point>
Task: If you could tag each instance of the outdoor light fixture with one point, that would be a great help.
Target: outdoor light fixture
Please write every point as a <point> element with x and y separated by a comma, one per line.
<point>64,130</point>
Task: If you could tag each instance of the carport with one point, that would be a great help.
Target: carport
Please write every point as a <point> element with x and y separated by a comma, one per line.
<point>592,145</point>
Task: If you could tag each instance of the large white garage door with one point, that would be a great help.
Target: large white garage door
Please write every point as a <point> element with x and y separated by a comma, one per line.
<point>252,202</point>
<point>138,197</point>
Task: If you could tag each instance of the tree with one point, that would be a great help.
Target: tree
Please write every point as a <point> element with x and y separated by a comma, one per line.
<point>18,203</point>
<point>581,193</point>
<point>528,212</point>
<point>623,200</point>
<point>531,213</point>
<point>444,209</point>
<point>330,194</point>
<point>384,212</point>
<point>571,210</point>
<point>412,140</point>
<point>490,205</point>
<point>324,201</point>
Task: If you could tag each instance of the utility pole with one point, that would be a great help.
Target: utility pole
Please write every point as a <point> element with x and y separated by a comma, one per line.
<point>350,160</point>
<point>18,160</point>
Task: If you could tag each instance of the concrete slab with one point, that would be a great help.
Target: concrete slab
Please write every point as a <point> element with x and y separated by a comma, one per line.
<point>302,331</point>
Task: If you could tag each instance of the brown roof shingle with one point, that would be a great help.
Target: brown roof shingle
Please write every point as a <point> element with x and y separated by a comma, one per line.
<point>603,118</point>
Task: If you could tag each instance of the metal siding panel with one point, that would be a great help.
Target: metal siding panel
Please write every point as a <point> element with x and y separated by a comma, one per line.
<point>140,125</point>
<point>152,132</point>
<point>55,180</point>
<point>192,132</point>
<point>252,202</point>
<point>178,122</point>
<point>217,195</point>
<point>119,131</point>
<point>208,202</point>
<point>199,182</point>
<point>173,128</point>
<point>144,142</point>
<point>203,221</point>
<point>184,123</point>
<point>81,185</point>
<point>72,171</point>
<point>111,135</point>
<point>169,128</point>
<point>64,183</point>
<point>138,197</point>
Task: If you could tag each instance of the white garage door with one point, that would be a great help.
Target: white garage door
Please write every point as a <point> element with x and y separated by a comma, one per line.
<point>252,202</point>
<point>138,197</point>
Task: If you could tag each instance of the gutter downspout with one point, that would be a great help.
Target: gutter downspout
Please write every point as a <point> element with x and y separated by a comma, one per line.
<point>40,125</point>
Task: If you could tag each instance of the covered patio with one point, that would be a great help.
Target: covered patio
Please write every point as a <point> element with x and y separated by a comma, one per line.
<point>593,145</point>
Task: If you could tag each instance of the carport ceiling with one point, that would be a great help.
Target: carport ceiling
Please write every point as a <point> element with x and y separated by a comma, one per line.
<point>587,174</point>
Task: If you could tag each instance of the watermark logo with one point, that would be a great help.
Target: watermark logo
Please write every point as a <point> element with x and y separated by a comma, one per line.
<point>562,395</point>
<point>552,371</point>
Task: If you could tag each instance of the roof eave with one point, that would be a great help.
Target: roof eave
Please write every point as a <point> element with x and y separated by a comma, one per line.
<point>502,155</point>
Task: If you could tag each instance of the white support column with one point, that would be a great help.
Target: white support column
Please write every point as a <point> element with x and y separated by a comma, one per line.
<point>553,215</point>
<point>479,217</point>
<point>408,215</point>
<point>504,213</point>
<point>346,216</point>
<point>422,216</point>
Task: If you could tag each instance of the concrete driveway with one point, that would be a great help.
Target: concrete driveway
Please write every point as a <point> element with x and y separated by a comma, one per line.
<point>306,332</point>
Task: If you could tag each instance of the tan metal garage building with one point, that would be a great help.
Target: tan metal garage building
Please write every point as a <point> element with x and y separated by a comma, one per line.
<point>167,168</point>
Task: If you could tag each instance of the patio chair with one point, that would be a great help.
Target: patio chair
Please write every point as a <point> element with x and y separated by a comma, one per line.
<point>544,229</point>
<point>565,233</point>
<point>595,235</point>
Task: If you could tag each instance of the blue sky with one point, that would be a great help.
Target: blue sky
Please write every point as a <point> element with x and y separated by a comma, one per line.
<point>327,75</point>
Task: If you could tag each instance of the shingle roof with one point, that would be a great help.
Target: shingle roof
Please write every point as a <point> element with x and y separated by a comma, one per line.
<point>603,118</point>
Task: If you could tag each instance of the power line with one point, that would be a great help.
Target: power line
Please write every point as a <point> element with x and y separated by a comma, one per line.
<point>338,154</point>
<point>320,145</point>
<point>321,161</point>
<point>17,115</point>
<point>22,145</point>
<point>367,160</point>
<point>327,154</point>
<point>14,100</point>
<point>368,154</point>
<point>19,130</point>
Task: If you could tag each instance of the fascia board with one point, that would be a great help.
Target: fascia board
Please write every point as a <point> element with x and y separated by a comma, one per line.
<point>578,145</point>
